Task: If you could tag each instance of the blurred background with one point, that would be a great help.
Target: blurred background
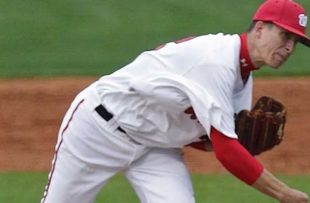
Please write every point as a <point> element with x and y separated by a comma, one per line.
<point>94,37</point>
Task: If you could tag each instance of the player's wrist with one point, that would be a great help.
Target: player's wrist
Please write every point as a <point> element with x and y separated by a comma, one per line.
<point>282,193</point>
<point>271,186</point>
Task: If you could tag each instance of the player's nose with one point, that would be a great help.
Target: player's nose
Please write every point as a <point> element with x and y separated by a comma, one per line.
<point>290,45</point>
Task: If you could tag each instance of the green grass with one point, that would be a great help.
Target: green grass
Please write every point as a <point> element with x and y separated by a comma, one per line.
<point>28,188</point>
<point>95,37</point>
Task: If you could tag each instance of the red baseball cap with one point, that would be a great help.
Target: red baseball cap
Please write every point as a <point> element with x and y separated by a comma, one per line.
<point>286,14</point>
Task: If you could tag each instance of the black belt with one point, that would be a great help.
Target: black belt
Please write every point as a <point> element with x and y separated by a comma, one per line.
<point>106,115</point>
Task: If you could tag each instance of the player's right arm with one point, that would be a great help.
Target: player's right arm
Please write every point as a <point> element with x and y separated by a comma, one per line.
<point>235,158</point>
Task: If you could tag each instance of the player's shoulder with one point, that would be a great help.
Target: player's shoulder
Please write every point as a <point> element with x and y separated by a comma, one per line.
<point>219,43</point>
<point>220,48</point>
<point>217,36</point>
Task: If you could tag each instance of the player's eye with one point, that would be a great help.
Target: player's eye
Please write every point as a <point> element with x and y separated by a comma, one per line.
<point>288,36</point>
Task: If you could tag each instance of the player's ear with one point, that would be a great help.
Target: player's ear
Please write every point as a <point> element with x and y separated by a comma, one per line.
<point>258,29</point>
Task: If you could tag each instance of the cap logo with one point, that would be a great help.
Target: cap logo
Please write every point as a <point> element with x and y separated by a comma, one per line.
<point>243,62</point>
<point>303,20</point>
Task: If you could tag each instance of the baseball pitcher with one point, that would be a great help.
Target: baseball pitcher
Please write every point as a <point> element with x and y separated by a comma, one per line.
<point>137,119</point>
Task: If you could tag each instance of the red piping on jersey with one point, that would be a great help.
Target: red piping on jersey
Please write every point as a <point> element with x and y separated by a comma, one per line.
<point>246,65</point>
<point>235,158</point>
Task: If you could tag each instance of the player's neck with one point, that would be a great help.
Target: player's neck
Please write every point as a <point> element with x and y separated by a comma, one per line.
<point>246,65</point>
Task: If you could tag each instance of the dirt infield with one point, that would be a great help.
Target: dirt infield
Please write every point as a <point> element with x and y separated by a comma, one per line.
<point>31,111</point>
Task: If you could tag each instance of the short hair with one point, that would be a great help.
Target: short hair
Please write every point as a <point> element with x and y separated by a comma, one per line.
<point>253,23</point>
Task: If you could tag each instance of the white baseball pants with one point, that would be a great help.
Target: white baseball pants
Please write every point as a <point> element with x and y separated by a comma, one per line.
<point>90,151</point>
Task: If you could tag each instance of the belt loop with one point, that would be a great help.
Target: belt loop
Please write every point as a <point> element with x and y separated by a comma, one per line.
<point>103,113</point>
<point>107,116</point>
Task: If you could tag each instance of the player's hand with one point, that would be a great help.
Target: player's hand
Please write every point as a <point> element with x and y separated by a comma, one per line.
<point>294,196</point>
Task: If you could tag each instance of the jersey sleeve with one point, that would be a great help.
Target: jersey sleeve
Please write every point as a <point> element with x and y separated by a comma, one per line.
<point>218,81</point>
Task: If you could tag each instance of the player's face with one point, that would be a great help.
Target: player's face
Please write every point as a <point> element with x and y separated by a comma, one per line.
<point>276,45</point>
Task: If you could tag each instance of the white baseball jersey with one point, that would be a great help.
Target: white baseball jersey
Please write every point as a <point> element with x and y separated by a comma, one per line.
<point>148,97</point>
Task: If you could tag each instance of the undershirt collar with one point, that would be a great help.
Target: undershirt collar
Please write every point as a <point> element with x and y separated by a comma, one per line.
<point>246,65</point>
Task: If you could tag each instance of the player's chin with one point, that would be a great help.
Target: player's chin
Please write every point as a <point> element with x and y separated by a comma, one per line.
<point>276,64</point>
<point>277,60</point>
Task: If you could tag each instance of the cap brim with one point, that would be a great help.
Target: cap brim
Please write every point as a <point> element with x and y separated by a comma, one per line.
<point>302,38</point>
<point>305,41</point>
